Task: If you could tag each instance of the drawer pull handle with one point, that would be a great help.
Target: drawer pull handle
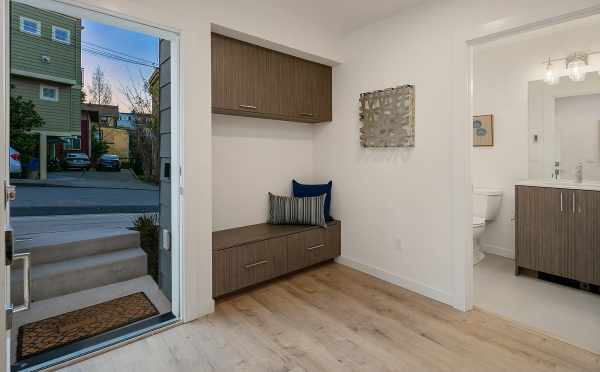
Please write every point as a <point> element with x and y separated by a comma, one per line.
<point>315,247</point>
<point>306,114</point>
<point>248,107</point>
<point>259,263</point>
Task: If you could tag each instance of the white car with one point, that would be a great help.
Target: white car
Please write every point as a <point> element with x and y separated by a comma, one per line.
<point>15,161</point>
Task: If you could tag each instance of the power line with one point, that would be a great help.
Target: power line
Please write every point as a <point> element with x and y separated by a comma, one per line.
<point>117,52</point>
<point>115,57</point>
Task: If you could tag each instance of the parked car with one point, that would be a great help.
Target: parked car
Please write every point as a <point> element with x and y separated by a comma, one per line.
<point>15,161</point>
<point>76,160</point>
<point>109,161</point>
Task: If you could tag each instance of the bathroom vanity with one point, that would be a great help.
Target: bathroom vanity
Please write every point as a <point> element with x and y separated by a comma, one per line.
<point>557,229</point>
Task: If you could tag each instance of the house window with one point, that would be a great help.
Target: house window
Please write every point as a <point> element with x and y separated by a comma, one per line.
<point>31,26</point>
<point>61,35</point>
<point>72,143</point>
<point>49,93</point>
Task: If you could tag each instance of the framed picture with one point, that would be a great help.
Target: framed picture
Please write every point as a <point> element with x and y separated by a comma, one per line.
<point>483,130</point>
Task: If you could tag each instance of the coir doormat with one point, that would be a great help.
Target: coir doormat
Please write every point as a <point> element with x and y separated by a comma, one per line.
<point>48,334</point>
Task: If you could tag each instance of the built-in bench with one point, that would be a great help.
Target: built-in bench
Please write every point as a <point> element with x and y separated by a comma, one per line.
<point>249,255</point>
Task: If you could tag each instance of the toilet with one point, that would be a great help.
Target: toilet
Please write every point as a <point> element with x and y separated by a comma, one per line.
<point>486,207</point>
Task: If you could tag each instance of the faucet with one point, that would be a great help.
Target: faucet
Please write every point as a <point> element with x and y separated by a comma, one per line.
<point>556,170</point>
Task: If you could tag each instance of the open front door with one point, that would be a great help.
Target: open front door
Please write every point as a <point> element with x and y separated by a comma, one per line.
<point>4,174</point>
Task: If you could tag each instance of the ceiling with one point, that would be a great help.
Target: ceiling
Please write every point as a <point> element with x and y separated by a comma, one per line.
<point>341,15</point>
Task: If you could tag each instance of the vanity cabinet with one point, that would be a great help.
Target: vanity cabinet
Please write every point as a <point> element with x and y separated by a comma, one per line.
<point>249,80</point>
<point>558,232</point>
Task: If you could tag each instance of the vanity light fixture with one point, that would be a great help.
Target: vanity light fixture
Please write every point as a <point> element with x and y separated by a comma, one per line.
<point>576,67</point>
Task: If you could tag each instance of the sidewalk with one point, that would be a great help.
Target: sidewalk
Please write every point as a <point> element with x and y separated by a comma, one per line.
<point>125,179</point>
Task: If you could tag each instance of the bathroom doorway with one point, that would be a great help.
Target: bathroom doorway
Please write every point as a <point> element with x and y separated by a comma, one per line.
<point>535,127</point>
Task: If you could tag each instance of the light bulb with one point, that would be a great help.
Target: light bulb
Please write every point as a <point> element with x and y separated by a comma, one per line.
<point>576,66</point>
<point>550,77</point>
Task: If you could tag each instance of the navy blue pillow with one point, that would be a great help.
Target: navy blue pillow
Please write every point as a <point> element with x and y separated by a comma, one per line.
<point>305,191</point>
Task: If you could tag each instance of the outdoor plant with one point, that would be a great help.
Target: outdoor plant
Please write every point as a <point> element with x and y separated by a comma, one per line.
<point>99,147</point>
<point>148,227</point>
<point>23,119</point>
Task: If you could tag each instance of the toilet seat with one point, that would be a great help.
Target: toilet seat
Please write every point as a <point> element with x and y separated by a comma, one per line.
<point>478,222</point>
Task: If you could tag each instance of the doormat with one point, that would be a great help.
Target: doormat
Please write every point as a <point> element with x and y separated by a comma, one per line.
<point>48,334</point>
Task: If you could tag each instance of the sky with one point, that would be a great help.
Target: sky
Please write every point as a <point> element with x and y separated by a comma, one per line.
<point>118,41</point>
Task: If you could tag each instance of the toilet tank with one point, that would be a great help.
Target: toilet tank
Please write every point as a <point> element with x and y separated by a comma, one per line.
<point>486,203</point>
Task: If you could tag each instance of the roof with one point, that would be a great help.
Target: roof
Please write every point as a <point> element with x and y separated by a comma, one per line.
<point>102,110</point>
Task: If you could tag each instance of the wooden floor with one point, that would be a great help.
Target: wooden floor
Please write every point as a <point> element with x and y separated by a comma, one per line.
<point>333,318</point>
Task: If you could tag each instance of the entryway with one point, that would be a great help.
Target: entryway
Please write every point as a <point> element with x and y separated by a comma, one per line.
<point>94,207</point>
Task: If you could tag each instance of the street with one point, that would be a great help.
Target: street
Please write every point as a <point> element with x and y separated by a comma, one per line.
<point>74,193</point>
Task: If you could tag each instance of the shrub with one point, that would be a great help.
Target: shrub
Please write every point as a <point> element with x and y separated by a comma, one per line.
<point>148,227</point>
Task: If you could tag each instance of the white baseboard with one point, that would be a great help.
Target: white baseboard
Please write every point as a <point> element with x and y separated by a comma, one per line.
<point>403,282</point>
<point>498,251</point>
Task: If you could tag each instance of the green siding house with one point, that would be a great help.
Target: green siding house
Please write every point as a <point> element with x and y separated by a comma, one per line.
<point>45,66</point>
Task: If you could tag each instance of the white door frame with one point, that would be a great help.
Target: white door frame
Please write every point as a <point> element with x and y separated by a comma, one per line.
<point>464,43</point>
<point>124,21</point>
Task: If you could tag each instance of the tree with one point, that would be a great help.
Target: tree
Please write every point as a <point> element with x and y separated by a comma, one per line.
<point>83,96</point>
<point>100,90</point>
<point>23,119</point>
<point>145,145</point>
<point>99,147</point>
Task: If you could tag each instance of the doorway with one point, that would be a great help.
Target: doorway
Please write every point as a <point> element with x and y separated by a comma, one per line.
<point>92,139</point>
<point>530,111</point>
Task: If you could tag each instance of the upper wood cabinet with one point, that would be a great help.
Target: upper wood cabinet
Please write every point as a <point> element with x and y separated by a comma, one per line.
<point>249,80</point>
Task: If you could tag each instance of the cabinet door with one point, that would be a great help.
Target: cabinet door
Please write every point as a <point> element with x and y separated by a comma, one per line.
<point>304,85</point>
<point>544,236</point>
<point>236,78</point>
<point>322,98</point>
<point>587,237</point>
<point>559,242</point>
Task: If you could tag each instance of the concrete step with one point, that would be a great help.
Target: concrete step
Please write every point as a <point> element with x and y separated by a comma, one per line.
<point>57,247</point>
<point>60,278</point>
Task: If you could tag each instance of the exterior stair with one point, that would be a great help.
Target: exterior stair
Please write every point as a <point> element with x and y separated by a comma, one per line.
<point>63,263</point>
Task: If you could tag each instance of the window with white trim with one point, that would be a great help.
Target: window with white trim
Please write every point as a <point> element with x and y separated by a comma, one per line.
<point>48,93</point>
<point>31,26</point>
<point>62,35</point>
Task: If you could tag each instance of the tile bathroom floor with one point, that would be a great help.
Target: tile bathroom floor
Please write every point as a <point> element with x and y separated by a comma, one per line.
<point>569,314</point>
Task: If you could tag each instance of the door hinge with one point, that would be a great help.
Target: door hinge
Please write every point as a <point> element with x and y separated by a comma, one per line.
<point>8,309</point>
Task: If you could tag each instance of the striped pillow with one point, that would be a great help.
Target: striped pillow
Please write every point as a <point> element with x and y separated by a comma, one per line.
<point>288,210</point>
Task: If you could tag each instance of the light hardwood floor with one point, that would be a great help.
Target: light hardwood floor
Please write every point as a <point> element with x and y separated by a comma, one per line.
<point>333,318</point>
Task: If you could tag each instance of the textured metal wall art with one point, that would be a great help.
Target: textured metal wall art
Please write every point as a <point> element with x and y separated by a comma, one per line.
<point>388,117</point>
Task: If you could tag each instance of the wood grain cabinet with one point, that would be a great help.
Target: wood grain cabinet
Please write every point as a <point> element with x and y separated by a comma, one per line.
<point>249,80</point>
<point>250,255</point>
<point>558,232</point>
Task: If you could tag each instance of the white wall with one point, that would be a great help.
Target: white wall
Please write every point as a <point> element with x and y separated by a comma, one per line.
<point>502,72</point>
<point>252,157</point>
<point>578,124</point>
<point>396,204</point>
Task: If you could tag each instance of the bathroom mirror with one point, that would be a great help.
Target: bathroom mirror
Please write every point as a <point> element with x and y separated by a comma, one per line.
<point>564,127</point>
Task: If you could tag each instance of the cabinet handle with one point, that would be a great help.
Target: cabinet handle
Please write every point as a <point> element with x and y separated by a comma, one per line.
<point>306,114</point>
<point>573,203</point>
<point>248,107</point>
<point>315,247</point>
<point>259,263</point>
<point>561,203</point>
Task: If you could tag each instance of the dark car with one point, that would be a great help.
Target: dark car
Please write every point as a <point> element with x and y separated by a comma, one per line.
<point>109,161</point>
<point>76,160</point>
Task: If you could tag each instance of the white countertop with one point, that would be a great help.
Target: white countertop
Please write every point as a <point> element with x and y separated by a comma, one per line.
<point>562,184</point>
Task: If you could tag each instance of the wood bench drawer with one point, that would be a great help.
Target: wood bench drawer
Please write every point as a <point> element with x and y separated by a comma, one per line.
<point>307,248</point>
<point>242,266</point>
